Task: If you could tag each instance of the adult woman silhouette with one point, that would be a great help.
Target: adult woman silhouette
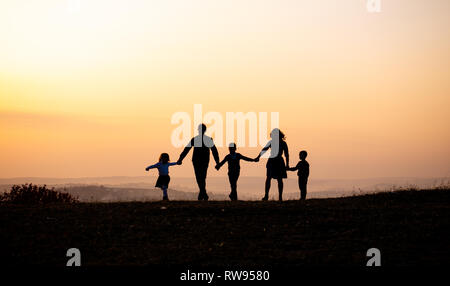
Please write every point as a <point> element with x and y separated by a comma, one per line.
<point>276,167</point>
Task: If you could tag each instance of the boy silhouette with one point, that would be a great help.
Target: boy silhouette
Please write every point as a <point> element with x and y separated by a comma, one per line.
<point>234,168</point>
<point>303,173</point>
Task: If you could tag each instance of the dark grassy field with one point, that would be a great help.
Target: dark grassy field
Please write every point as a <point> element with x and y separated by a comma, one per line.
<point>409,227</point>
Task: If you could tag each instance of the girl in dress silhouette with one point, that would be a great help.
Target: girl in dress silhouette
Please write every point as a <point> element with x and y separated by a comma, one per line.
<point>163,178</point>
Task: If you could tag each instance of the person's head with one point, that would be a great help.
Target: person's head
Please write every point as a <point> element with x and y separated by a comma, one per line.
<point>201,129</point>
<point>232,148</point>
<point>302,155</point>
<point>276,133</point>
<point>164,158</point>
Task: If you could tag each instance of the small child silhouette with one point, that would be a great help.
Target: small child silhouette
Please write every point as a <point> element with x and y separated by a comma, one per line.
<point>164,178</point>
<point>234,168</point>
<point>303,173</point>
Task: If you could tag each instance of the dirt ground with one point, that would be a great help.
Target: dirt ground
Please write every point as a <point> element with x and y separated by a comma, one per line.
<point>408,227</point>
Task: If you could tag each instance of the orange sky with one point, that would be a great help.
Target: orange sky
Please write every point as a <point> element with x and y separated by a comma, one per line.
<point>91,92</point>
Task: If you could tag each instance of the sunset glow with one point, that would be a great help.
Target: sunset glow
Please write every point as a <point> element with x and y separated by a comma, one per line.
<point>90,90</point>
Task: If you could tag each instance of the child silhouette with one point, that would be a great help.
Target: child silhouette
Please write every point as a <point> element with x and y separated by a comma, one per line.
<point>164,178</point>
<point>234,168</point>
<point>303,173</point>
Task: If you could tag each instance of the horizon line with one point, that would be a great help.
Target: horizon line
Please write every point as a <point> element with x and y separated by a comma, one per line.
<point>189,177</point>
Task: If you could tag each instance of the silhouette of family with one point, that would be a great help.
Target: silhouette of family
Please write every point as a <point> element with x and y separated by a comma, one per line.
<point>203,145</point>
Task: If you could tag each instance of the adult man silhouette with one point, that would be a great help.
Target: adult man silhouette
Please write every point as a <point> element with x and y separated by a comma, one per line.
<point>200,158</point>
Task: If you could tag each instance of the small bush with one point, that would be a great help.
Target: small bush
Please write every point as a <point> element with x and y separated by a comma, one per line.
<point>34,194</point>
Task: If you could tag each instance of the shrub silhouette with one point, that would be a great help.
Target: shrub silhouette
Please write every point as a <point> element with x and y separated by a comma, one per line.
<point>34,194</point>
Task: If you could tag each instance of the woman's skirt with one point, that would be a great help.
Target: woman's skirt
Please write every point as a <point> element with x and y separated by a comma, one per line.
<point>276,168</point>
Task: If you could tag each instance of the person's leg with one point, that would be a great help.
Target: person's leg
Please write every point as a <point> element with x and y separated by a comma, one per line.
<point>231,180</point>
<point>302,187</point>
<point>201,170</point>
<point>235,184</point>
<point>267,189</point>
<point>280,189</point>
<point>303,191</point>
<point>164,189</point>
<point>204,172</point>
<point>233,177</point>
<point>201,182</point>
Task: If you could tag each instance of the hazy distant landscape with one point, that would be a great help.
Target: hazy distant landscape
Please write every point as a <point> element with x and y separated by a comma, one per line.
<point>117,189</point>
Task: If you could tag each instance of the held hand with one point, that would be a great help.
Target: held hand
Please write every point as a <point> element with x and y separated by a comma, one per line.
<point>256,159</point>
<point>179,162</point>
